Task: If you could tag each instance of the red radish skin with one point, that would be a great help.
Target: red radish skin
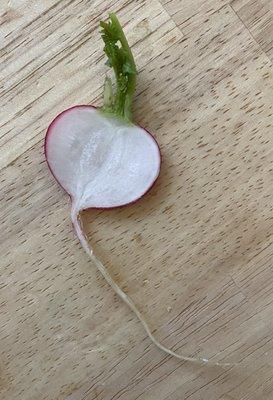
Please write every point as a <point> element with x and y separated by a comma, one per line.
<point>103,160</point>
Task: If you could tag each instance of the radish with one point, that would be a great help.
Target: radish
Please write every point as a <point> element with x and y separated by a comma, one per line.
<point>101,158</point>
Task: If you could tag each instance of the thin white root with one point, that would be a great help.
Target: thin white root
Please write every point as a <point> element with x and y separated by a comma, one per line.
<point>75,216</point>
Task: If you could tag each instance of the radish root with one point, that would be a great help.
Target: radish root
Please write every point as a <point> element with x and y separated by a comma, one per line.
<point>77,223</point>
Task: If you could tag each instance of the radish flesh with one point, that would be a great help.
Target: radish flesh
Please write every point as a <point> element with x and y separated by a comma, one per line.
<point>101,158</point>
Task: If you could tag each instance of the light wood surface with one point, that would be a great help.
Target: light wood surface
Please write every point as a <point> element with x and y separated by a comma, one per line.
<point>195,254</point>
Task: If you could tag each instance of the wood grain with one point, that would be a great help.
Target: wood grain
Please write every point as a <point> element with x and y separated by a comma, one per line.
<point>257,16</point>
<point>195,254</point>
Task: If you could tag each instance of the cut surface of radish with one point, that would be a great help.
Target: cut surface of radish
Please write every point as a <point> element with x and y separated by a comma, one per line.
<point>101,160</point>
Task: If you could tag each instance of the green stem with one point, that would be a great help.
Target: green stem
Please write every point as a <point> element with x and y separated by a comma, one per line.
<point>121,59</point>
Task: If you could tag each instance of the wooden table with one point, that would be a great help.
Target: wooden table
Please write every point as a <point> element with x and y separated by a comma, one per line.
<point>195,254</point>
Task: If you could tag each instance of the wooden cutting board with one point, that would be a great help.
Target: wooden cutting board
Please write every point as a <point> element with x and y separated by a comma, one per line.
<point>195,254</point>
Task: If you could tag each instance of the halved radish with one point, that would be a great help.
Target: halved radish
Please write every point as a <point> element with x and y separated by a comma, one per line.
<point>101,158</point>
